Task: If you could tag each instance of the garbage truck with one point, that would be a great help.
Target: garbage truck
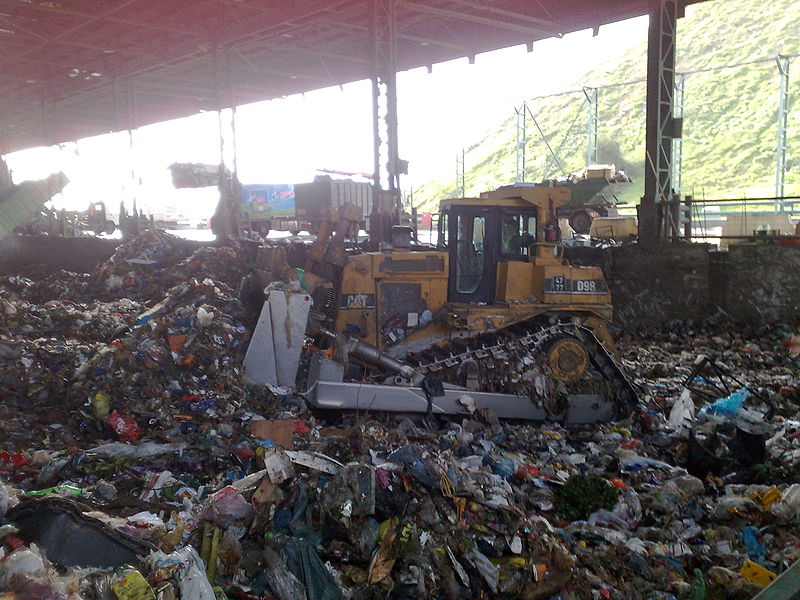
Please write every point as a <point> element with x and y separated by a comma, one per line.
<point>264,207</point>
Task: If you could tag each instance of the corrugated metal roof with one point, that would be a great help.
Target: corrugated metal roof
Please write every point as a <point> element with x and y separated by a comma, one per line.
<point>75,68</point>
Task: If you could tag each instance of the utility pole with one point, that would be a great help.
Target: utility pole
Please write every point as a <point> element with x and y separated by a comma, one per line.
<point>783,125</point>
<point>461,189</point>
<point>522,142</point>
<point>592,96</point>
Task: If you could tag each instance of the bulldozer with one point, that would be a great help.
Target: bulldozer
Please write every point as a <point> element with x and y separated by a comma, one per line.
<point>491,317</point>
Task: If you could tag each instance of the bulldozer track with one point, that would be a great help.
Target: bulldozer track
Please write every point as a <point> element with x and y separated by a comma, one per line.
<point>511,361</point>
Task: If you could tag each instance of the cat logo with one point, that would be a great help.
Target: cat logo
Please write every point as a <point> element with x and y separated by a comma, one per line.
<point>355,301</point>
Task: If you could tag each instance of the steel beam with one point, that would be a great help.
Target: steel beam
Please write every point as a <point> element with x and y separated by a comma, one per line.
<point>677,141</point>
<point>383,26</point>
<point>386,169</point>
<point>295,50</point>
<point>516,16</point>
<point>659,128</point>
<point>416,39</point>
<point>93,19</point>
<point>533,31</point>
<point>58,9</point>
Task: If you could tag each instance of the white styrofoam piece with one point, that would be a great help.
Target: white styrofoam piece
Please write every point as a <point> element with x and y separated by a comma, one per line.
<point>259,362</point>
<point>289,312</point>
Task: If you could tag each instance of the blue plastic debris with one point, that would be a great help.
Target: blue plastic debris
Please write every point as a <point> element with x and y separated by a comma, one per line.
<point>728,406</point>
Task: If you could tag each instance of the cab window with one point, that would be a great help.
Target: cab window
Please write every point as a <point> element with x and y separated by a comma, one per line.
<point>470,249</point>
<point>517,233</point>
<point>442,229</point>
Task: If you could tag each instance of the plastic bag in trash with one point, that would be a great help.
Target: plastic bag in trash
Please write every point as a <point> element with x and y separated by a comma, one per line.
<point>125,427</point>
<point>226,507</point>
<point>727,406</point>
<point>282,581</point>
<point>305,563</point>
<point>26,562</point>
<point>788,507</point>
<point>754,542</point>
<point>4,500</point>
<point>488,571</point>
<point>351,493</point>
<point>682,413</point>
<point>190,573</point>
<point>411,457</point>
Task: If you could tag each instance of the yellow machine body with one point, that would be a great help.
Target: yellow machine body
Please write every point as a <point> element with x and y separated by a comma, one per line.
<point>403,301</point>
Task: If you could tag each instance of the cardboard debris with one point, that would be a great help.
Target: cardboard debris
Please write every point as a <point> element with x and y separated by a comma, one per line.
<point>280,432</point>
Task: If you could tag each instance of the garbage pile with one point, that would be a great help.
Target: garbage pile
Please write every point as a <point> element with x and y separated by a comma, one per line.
<point>147,265</point>
<point>135,465</point>
<point>75,368</point>
<point>142,268</point>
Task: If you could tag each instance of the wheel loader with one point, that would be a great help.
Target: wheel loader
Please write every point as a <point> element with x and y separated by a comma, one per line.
<point>492,317</point>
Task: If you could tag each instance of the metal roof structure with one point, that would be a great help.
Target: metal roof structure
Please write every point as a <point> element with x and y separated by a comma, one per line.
<point>75,68</point>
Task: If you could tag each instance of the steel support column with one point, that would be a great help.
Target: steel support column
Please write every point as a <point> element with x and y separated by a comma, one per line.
<point>592,96</point>
<point>659,130</point>
<point>677,141</point>
<point>383,37</point>
<point>783,124</point>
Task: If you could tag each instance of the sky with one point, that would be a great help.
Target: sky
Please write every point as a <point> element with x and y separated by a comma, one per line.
<point>287,140</point>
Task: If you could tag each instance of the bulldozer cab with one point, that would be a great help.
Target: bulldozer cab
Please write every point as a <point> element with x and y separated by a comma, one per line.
<point>477,238</point>
<point>502,226</point>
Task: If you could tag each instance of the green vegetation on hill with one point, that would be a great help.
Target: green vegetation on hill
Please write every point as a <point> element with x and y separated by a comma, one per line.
<point>729,121</point>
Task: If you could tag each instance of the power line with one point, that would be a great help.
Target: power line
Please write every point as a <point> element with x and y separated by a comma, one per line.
<point>644,80</point>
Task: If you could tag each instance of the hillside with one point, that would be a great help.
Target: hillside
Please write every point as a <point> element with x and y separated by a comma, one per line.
<point>729,120</point>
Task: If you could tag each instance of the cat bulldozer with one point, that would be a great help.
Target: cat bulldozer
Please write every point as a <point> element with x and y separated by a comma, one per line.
<point>492,317</point>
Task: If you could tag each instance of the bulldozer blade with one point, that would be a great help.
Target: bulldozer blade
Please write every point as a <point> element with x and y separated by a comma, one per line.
<point>335,395</point>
